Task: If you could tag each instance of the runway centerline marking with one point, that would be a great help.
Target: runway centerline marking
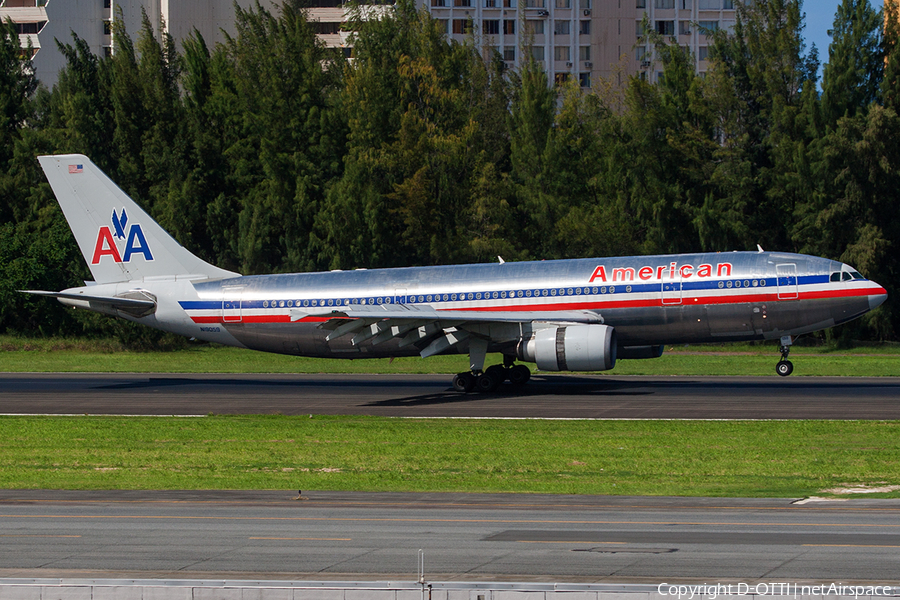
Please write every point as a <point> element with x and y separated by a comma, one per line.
<point>26,535</point>
<point>424,520</point>
<point>312,539</point>
<point>849,546</point>
<point>564,542</point>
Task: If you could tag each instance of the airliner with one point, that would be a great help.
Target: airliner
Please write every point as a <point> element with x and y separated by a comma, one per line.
<point>562,315</point>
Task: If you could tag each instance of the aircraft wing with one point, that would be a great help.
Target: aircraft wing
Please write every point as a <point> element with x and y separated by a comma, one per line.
<point>442,328</point>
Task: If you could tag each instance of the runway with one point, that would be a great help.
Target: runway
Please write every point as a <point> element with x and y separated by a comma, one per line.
<point>480,537</point>
<point>545,396</point>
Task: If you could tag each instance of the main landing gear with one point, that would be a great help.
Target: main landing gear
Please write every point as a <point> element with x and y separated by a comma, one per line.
<point>491,378</point>
<point>784,366</point>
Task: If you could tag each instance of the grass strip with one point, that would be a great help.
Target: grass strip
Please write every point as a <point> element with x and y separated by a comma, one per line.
<point>687,458</point>
<point>46,357</point>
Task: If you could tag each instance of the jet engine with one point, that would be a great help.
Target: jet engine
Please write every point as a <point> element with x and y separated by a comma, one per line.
<point>571,348</point>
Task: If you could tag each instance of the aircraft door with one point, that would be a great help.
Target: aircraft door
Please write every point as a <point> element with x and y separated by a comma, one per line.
<point>787,281</point>
<point>671,292</point>
<point>231,304</point>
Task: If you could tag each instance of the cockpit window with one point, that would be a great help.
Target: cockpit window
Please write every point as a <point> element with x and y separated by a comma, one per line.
<point>845,276</point>
<point>856,275</point>
<point>835,277</point>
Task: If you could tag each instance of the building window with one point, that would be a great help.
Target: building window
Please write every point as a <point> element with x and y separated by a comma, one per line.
<point>641,53</point>
<point>708,27</point>
<point>684,4</point>
<point>561,78</point>
<point>584,80</point>
<point>584,28</point>
<point>534,3</point>
<point>438,3</point>
<point>703,53</point>
<point>665,27</point>
<point>509,3</point>
<point>537,53</point>
<point>561,53</point>
<point>462,26</point>
<point>534,27</point>
<point>107,27</point>
<point>710,4</point>
<point>584,4</point>
<point>490,3</point>
<point>490,27</point>
<point>728,4</point>
<point>561,27</point>
<point>326,28</point>
<point>509,53</point>
<point>664,3</point>
<point>444,25</point>
<point>462,2</point>
<point>509,26</point>
<point>641,4</point>
<point>26,28</point>
<point>639,28</point>
<point>684,28</point>
<point>107,3</point>
<point>584,53</point>
<point>563,3</point>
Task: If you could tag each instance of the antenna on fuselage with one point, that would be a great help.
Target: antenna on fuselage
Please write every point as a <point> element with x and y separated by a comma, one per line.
<point>758,247</point>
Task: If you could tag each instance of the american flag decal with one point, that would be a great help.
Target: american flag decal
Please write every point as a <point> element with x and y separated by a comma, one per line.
<point>75,169</point>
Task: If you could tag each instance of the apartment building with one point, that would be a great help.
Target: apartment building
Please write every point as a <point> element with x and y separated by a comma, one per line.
<point>585,39</point>
<point>572,39</point>
<point>40,22</point>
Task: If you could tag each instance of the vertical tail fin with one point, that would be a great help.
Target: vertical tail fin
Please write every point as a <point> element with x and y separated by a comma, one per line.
<point>119,241</point>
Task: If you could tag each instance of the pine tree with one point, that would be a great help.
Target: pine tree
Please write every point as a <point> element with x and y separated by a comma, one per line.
<point>853,74</point>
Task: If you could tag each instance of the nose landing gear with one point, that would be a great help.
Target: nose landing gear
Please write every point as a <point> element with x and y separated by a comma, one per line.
<point>784,366</point>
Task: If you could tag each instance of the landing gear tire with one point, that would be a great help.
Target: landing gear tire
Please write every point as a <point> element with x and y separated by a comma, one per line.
<point>784,368</point>
<point>486,382</point>
<point>519,375</point>
<point>464,382</point>
<point>497,372</point>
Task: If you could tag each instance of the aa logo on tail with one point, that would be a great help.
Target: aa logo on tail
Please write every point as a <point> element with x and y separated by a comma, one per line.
<point>135,242</point>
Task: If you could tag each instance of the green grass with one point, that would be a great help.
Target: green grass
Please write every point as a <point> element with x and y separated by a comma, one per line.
<point>691,458</point>
<point>68,356</point>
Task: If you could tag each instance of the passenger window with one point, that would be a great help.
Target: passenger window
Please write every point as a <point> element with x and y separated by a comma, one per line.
<point>835,277</point>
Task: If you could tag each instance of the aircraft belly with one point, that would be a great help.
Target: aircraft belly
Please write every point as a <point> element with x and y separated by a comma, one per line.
<point>307,339</point>
<point>659,325</point>
<point>731,321</point>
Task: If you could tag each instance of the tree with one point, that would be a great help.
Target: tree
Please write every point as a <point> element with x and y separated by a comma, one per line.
<point>855,67</point>
<point>760,86</point>
<point>17,84</point>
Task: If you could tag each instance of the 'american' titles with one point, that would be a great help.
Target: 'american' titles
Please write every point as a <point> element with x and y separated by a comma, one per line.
<point>670,271</point>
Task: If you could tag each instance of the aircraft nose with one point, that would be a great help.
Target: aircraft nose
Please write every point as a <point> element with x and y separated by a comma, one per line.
<point>877,298</point>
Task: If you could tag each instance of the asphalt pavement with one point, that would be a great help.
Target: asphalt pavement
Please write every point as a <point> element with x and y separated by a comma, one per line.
<point>545,396</point>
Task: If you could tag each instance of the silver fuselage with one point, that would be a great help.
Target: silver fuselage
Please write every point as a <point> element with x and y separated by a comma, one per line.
<point>650,300</point>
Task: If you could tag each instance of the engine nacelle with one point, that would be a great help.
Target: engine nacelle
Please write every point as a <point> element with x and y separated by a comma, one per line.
<point>571,348</point>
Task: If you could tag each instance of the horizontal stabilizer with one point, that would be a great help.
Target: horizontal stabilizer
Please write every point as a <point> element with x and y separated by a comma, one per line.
<point>132,306</point>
